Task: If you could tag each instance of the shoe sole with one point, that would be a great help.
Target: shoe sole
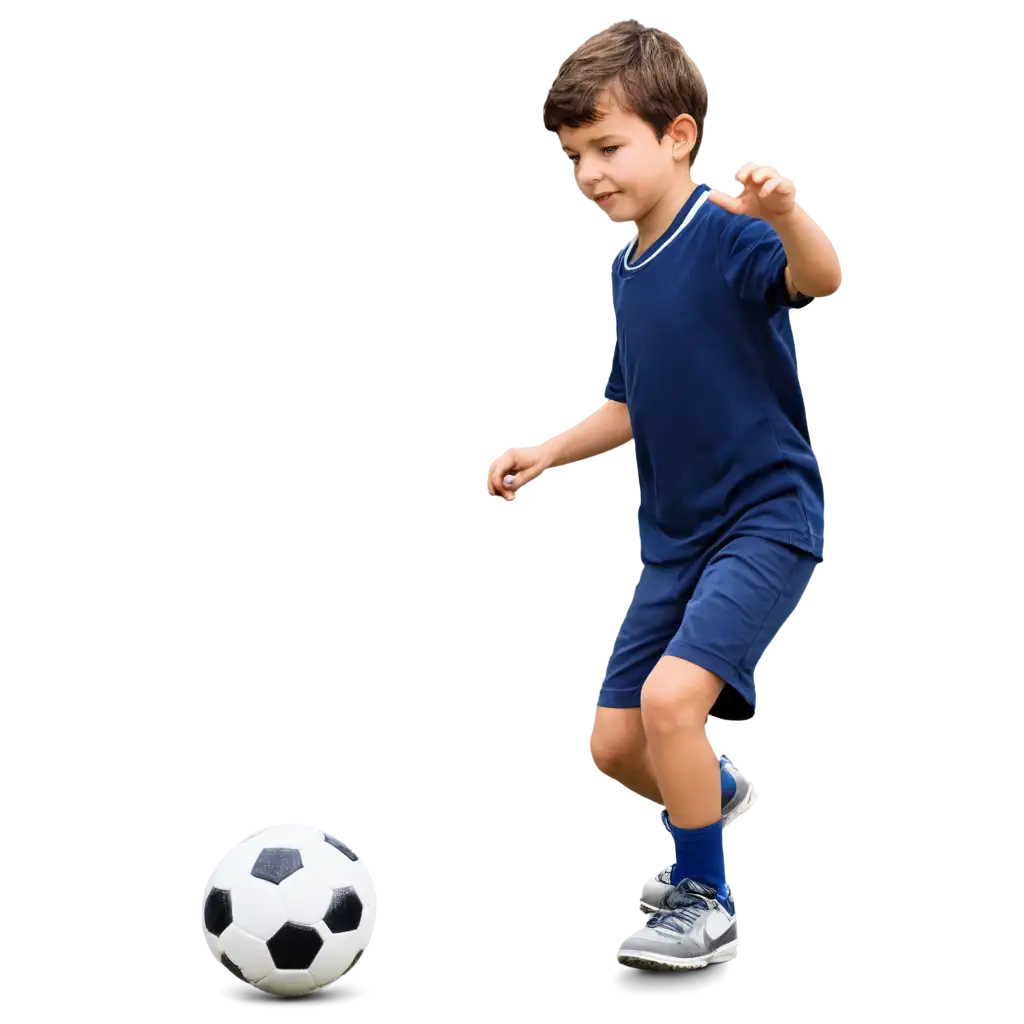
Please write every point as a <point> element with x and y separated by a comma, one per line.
<point>748,801</point>
<point>646,961</point>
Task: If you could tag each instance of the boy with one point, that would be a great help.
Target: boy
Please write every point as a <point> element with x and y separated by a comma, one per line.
<point>704,380</point>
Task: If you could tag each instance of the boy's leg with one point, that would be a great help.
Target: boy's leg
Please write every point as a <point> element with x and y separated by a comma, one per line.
<point>614,744</point>
<point>739,795</point>
<point>618,745</point>
<point>675,702</point>
<point>619,748</point>
<point>743,597</point>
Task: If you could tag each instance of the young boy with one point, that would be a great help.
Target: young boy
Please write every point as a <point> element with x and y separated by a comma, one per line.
<point>704,380</point>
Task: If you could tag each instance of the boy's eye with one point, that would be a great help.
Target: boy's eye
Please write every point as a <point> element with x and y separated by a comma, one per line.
<point>574,157</point>
<point>609,149</point>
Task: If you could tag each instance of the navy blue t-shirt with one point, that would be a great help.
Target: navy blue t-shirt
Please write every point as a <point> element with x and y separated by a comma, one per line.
<point>704,361</point>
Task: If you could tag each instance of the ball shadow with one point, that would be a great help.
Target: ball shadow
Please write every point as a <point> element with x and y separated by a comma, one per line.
<point>236,993</point>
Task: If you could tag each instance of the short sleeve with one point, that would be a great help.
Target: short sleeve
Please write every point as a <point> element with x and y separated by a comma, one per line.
<point>613,384</point>
<point>753,261</point>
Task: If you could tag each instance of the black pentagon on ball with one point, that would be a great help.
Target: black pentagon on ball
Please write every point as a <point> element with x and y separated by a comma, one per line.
<point>293,947</point>
<point>217,911</point>
<point>345,911</point>
<point>276,863</point>
<point>233,967</point>
<point>355,960</point>
<point>340,846</point>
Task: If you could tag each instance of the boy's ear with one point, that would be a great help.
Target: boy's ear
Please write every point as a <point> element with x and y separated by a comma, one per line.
<point>684,135</point>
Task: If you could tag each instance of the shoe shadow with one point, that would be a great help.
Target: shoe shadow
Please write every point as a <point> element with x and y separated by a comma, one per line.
<point>634,979</point>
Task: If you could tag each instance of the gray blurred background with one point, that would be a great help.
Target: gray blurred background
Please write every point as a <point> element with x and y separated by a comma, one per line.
<point>272,286</point>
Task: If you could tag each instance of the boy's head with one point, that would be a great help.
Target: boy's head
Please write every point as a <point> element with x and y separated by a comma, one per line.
<point>628,107</point>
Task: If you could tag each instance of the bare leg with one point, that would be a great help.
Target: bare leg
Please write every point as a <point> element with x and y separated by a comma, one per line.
<point>619,749</point>
<point>675,702</point>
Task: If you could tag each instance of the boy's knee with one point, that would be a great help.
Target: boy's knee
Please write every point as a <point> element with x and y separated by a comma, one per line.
<point>676,700</point>
<point>612,744</point>
<point>608,759</point>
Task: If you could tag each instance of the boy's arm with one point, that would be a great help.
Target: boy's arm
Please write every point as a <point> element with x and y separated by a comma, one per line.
<point>607,428</point>
<point>775,233</point>
<point>813,266</point>
<point>601,431</point>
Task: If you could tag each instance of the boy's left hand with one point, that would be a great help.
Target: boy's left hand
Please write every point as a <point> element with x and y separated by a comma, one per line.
<point>766,194</point>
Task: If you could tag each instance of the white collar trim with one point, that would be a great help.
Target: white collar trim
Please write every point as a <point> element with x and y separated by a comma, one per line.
<point>668,241</point>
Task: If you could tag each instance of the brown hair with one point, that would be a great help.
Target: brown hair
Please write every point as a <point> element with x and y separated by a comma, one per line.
<point>646,70</point>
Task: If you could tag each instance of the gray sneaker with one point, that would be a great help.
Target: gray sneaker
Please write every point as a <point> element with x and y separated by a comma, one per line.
<point>696,927</point>
<point>657,888</point>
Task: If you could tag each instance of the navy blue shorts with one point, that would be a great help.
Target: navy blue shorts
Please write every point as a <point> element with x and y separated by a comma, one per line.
<point>719,612</point>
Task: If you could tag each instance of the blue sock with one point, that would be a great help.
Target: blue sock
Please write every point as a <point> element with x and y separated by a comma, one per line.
<point>699,854</point>
<point>728,786</point>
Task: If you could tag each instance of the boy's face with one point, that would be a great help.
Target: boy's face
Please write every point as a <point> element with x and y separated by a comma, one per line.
<point>619,163</point>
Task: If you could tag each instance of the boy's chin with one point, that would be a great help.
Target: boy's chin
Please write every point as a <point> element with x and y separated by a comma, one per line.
<point>619,213</point>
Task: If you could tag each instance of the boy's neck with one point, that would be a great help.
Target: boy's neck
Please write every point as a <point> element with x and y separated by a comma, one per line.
<point>656,221</point>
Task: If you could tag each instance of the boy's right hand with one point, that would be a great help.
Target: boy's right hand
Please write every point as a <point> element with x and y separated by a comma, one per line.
<point>516,467</point>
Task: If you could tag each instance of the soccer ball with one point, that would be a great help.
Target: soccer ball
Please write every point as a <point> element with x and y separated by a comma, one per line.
<point>289,909</point>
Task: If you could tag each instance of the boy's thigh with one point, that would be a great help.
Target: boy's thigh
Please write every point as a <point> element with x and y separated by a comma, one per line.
<point>744,595</point>
<point>650,623</point>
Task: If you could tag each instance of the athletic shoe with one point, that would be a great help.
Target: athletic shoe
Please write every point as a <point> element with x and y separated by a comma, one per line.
<point>696,927</point>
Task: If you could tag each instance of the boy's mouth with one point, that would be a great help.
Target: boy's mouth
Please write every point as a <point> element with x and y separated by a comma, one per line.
<point>603,197</point>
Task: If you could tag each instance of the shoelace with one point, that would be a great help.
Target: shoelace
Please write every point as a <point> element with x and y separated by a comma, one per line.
<point>683,908</point>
